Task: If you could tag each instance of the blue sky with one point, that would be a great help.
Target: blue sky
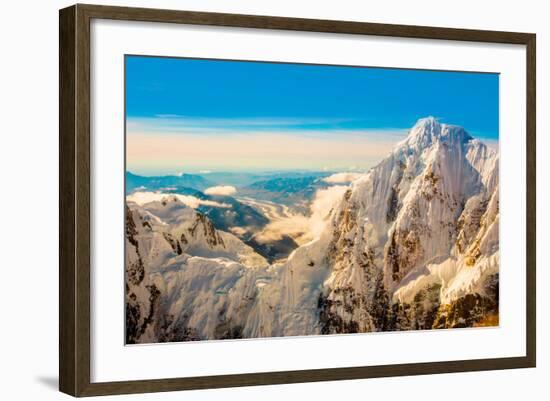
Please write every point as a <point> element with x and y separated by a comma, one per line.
<point>213,98</point>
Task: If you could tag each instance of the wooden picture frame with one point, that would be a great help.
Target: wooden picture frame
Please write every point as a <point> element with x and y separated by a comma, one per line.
<point>74,199</point>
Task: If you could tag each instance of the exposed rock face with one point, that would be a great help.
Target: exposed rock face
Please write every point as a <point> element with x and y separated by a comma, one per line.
<point>425,222</point>
<point>141,295</point>
<point>412,245</point>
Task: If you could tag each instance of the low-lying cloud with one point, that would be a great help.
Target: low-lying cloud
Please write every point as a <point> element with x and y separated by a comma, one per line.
<point>238,231</point>
<point>304,228</point>
<point>341,178</point>
<point>141,198</point>
<point>325,201</point>
<point>294,226</point>
<point>221,190</point>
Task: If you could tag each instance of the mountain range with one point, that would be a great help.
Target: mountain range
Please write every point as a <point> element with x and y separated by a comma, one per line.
<point>411,244</point>
<point>134,182</point>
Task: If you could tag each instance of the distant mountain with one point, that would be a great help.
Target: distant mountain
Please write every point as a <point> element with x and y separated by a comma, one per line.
<point>244,179</point>
<point>288,185</point>
<point>293,191</point>
<point>296,174</point>
<point>237,179</point>
<point>134,182</point>
<point>413,244</point>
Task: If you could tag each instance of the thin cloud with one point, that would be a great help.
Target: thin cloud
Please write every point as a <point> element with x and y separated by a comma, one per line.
<point>180,123</point>
<point>342,178</point>
<point>221,190</point>
<point>304,228</point>
<point>142,198</point>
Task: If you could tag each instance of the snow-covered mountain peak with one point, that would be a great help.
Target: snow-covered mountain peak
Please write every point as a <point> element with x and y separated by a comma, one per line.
<point>409,211</point>
<point>428,131</point>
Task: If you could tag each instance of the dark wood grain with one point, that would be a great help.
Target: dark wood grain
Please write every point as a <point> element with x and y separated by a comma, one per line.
<point>67,265</point>
<point>82,184</point>
<point>301,24</point>
<point>302,376</point>
<point>74,199</point>
<point>74,206</point>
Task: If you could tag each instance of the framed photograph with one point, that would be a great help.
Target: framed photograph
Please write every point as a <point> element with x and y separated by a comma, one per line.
<point>249,200</point>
